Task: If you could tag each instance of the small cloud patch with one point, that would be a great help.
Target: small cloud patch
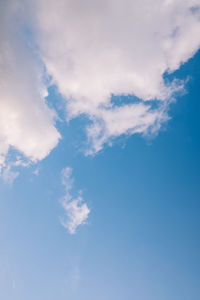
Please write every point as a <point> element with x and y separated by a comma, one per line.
<point>75,209</point>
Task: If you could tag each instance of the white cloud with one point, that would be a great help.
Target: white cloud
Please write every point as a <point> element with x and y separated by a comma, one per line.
<point>92,50</point>
<point>76,211</point>
<point>26,122</point>
<point>95,49</point>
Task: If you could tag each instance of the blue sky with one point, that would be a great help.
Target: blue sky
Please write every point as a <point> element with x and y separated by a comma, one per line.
<point>139,214</point>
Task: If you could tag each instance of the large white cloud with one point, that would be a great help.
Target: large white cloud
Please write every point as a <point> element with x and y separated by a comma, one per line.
<point>92,49</point>
<point>95,49</point>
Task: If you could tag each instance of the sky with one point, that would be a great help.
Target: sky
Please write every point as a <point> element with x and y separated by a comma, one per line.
<point>99,150</point>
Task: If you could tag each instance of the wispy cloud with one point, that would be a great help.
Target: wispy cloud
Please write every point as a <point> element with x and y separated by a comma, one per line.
<point>36,172</point>
<point>8,175</point>
<point>10,169</point>
<point>76,211</point>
